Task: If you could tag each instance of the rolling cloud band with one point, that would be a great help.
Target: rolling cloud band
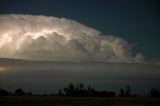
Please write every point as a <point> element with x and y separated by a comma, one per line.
<point>49,38</point>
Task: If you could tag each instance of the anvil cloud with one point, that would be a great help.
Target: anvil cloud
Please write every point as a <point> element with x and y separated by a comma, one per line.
<point>49,38</point>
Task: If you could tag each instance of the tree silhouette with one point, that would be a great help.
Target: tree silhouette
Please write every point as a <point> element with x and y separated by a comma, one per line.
<point>121,92</point>
<point>60,93</point>
<point>19,92</point>
<point>155,92</point>
<point>66,91</point>
<point>4,92</point>
<point>127,91</point>
<point>70,90</point>
<point>29,94</point>
<point>71,87</point>
<point>91,91</point>
<point>81,86</point>
<point>79,90</point>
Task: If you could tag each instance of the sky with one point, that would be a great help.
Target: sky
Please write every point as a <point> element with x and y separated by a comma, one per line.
<point>89,35</point>
<point>136,21</point>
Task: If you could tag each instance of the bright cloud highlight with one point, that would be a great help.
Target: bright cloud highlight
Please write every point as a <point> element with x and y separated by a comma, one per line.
<point>49,38</point>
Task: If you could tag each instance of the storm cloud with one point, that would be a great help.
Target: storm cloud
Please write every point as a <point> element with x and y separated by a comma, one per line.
<point>50,38</point>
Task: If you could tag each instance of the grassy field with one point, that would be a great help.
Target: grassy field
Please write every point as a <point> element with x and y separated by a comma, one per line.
<point>78,101</point>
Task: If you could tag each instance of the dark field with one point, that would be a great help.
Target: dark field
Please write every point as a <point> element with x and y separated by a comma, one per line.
<point>78,101</point>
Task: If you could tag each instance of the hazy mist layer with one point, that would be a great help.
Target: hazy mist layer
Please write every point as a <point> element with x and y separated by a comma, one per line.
<point>50,76</point>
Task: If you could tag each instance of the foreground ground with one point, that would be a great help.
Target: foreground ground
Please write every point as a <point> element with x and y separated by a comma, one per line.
<point>78,101</point>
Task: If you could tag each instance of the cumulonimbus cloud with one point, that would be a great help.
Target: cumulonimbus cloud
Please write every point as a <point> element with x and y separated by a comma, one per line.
<point>49,38</point>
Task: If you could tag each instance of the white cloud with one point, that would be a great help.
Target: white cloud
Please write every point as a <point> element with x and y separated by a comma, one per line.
<point>139,58</point>
<point>59,39</point>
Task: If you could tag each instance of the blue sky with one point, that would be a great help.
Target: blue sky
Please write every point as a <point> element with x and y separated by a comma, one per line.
<point>137,21</point>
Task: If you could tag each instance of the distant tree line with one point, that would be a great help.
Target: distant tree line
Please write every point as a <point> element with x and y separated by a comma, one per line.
<point>18,92</point>
<point>78,90</point>
<point>125,92</point>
